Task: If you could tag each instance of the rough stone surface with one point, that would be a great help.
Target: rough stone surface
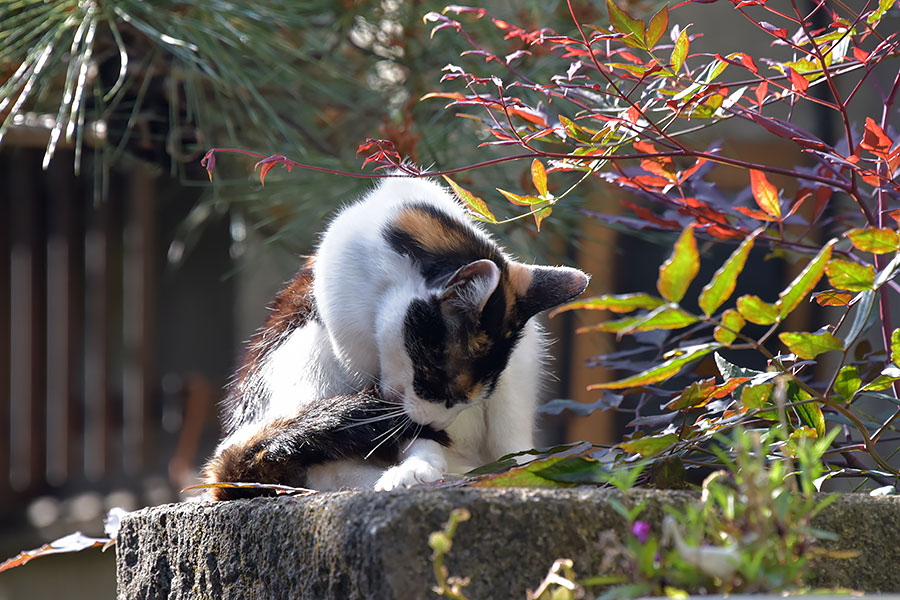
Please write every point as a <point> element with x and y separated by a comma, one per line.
<point>375,545</point>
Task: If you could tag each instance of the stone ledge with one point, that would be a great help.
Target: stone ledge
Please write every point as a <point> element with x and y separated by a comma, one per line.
<point>375,544</point>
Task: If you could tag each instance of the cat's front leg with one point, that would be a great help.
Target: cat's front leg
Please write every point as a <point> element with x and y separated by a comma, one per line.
<point>423,462</point>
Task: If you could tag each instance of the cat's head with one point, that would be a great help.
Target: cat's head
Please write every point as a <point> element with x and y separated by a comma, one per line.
<point>442,348</point>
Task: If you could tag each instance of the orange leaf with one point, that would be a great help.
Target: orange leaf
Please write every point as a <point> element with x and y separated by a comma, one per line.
<point>539,177</point>
<point>765,194</point>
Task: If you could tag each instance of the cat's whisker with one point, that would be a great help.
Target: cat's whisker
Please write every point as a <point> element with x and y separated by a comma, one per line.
<point>414,437</point>
<point>395,431</point>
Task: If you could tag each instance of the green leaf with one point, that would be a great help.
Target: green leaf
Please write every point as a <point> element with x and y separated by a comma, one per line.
<point>676,274</point>
<point>650,445</point>
<point>622,303</point>
<point>732,323</point>
<point>664,317</point>
<point>756,396</point>
<point>876,241</point>
<point>850,276</point>
<point>721,286</point>
<point>756,311</point>
<point>679,52</point>
<point>524,476</point>
<point>876,16</point>
<point>576,469</point>
<point>668,473</point>
<point>888,376</point>
<point>804,283</point>
<point>895,347</point>
<point>522,200</point>
<point>662,371</point>
<point>847,382</point>
<point>473,203</point>
<point>697,394</point>
<point>622,22</point>
<point>809,345</point>
<point>809,411</point>
<point>657,26</point>
<point>575,131</point>
<point>730,370</point>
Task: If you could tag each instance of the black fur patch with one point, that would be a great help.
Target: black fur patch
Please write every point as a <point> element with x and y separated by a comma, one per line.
<point>324,431</point>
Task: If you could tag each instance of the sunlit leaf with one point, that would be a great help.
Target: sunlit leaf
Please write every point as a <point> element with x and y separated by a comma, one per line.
<point>756,311</point>
<point>809,345</point>
<point>658,25</point>
<point>541,214</point>
<point>539,177</point>
<point>676,274</point>
<point>876,241</point>
<point>662,371</point>
<point>756,396</point>
<point>650,445</point>
<point>804,283</point>
<point>895,347</point>
<point>850,276</point>
<point>524,476</point>
<point>622,22</point>
<point>722,284</point>
<point>662,318</point>
<point>680,51</point>
<point>621,303</point>
<point>875,140</point>
<point>765,194</point>
<point>732,323</point>
<point>576,469</point>
<point>472,202</point>
<point>833,298</point>
<point>886,379</point>
<point>74,542</point>
<point>521,200</point>
<point>695,395</point>
<point>847,382</point>
<point>808,410</point>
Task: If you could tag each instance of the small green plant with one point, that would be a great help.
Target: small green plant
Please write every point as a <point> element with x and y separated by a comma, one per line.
<point>750,531</point>
<point>441,542</point>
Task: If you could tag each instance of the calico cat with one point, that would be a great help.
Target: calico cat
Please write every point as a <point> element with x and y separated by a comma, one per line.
<point>404,350</point>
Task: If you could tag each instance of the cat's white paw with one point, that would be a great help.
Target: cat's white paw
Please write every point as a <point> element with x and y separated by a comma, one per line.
<point>412,471</point>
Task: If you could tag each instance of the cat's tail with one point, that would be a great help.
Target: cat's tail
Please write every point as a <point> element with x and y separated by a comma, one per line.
<point>282,450</point>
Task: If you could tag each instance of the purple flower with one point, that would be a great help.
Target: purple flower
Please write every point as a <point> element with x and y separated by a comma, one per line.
<point>641,529</point>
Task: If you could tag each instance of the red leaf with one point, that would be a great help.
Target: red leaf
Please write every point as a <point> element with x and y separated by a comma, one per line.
<point>266,164</point>
<point>209,161</point>
<point>761,91</point>
<point>747,61</point>
<point>875,140</point>
<point>646,215</point>
<point>860,54</point>
<point>798,81</point>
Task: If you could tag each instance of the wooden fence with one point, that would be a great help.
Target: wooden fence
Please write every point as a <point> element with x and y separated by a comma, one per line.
<point>78,383</point>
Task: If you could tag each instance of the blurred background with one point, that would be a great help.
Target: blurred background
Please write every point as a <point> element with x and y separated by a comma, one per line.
<point>132,279</point>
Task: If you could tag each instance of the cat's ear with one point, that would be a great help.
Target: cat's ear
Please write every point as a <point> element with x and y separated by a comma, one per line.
<point>469,289</point>
<point>539,288</point>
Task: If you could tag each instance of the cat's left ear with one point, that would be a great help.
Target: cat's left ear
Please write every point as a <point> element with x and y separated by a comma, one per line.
<point>540,288</point>
<point>469,289</point>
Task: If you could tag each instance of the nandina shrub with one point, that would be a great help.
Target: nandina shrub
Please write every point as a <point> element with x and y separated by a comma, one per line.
<point>623,108</point>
